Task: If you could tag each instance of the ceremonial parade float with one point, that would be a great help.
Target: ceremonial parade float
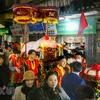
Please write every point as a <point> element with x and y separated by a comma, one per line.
<point>49,49</point>
<point>92,77</point>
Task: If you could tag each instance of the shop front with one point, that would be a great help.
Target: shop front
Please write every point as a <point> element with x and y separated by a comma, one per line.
<point>68,30</point>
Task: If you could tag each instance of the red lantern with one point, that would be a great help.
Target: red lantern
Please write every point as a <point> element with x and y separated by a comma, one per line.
<point>49,14</point>
<point>21,13</point>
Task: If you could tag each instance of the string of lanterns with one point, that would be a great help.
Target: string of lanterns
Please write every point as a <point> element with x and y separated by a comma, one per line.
<point>26,13</point>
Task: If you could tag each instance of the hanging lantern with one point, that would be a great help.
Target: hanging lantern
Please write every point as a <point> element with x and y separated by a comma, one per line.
<point>21,13</point>
<point>26,13</point>
<point>35,14</point>
<point>49,14</point>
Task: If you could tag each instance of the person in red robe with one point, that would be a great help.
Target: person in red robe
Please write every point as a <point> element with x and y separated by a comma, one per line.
<point>33,64</point>
<point>15,66</point>
<point>61,63</point>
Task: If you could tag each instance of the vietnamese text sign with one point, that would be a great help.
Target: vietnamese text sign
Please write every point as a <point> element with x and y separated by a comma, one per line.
<point>16,30</point>
<point>71,27</point>
<point>52,29</point>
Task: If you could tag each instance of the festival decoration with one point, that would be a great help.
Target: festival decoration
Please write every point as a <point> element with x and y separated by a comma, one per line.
<point>26,13</point>
<point>22,13</point>
<point>60,48</point>
<point>92,75</point>
<point>35,14</point>
<point>49,14</point>
<point>48,48</point>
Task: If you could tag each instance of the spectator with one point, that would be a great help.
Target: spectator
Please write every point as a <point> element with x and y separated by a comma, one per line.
<point>6,55</point>
<point>50,90</point>
<point>28,84</point>
<point>72,80</point>
<point>85,92</point>
<point>70,59</point>
<point>9,49</point>
<point>79,57</point>
<point>4,78</point>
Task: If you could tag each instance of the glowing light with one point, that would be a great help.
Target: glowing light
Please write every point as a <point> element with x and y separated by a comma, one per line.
<point>72,26</point>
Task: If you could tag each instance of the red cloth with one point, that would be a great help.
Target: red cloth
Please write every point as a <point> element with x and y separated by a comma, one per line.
<point>61,73</point>
<point>83,24</point>
<point>97,68</point>
<point>36,65</point>
<point>17,77</point>
<point>11,56</point>
<point>34,68</point>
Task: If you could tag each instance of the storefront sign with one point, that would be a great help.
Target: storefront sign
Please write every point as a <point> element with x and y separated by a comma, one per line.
<point>16,30</point>
<point>71,27</point>
<point>52,29</point>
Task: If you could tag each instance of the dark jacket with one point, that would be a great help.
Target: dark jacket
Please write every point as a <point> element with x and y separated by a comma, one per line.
<point>4,75</point>
<point>22,91</point>
<point>47,93</point>
<point>70,82</point>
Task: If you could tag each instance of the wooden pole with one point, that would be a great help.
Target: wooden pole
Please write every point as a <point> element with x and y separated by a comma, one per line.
<point>25,37</point>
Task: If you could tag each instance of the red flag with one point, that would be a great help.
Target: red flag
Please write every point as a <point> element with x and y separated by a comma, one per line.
<point>83,24</point>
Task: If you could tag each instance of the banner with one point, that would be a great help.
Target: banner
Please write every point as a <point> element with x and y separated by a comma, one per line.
<point>52,29</point>
<point>71,27</point>
<point>28,13</point>
<point>16,30</point>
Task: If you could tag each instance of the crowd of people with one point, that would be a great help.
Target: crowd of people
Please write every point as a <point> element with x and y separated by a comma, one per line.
<point>63,82</point>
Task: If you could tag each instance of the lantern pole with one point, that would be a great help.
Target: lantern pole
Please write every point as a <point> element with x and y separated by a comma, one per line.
<point>25,36</point>
<point>46,32</point>
<point>46,29</point>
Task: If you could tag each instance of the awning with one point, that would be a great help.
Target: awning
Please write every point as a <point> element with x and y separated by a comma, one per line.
<point>3,31</point>
<point>2,26</point>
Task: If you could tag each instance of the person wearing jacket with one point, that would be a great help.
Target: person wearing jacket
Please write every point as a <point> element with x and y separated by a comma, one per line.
<point>28,84</point>
<point>50,90</point>
<point>72,80</point>
<point>4,79</point>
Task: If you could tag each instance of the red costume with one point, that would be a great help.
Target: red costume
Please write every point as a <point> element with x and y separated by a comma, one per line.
<point>69,68</point>
<point>34,66</point>
<point>11,56</point>
<point>60,70</point>
<point>15,77</point>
